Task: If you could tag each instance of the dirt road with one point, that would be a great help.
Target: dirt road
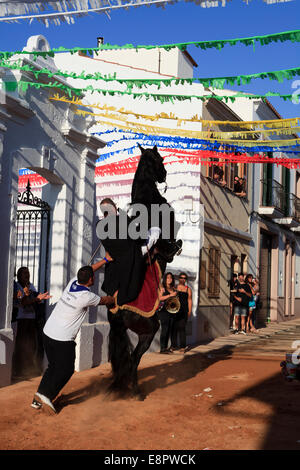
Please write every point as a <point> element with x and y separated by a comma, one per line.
<point>232,398</point>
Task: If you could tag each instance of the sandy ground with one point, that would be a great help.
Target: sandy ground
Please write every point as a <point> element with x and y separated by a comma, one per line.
<point>193,402</point>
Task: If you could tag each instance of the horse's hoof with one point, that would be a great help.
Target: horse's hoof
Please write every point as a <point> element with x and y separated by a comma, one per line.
<point>139,396</point>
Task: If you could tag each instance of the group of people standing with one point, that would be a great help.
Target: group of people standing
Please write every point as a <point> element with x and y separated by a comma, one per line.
<point>173,325</point>
<point>244,300</point>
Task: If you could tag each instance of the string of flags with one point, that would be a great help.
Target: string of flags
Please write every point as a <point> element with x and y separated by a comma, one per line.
<point>66,11</point>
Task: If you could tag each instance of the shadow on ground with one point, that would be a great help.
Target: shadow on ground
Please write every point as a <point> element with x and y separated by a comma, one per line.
<point>151,378</point>
<point>284,398</point>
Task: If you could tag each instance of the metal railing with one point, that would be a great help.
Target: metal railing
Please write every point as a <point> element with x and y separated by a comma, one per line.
<point>294,207</point>
<point>273,195</point>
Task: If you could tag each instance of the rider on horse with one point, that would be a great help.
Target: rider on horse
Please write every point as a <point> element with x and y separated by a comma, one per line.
<point>126,274</point>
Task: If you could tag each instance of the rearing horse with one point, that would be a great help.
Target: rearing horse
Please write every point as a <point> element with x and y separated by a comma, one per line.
<point>124,359</point>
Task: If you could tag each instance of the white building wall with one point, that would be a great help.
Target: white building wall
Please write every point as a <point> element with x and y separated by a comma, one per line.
<point>255,110</point>
<point>183,180</point>
<point>170,63</point>
<point>34,124</point>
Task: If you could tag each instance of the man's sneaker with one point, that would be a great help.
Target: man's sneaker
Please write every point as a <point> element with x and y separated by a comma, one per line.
<point>235,332</point>
<point>36,404</point>
<point>243,332</point>
<point>45,403</point>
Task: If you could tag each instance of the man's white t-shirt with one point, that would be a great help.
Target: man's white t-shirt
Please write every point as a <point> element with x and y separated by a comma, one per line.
<point>69,312</point>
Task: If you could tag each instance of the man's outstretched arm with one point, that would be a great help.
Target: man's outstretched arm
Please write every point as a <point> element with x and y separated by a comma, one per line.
<point>102,262</point>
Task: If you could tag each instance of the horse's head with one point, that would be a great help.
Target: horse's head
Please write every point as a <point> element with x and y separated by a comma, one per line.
<point>151,165</point>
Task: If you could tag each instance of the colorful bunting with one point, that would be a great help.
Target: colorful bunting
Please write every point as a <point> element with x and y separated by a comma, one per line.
<point>293,36</point>
<point>290,123</point>
<point>200,157</point>
<point>214,82</point>
<point>185,142</point>
<point>68,10</point>
<point>162,97</point>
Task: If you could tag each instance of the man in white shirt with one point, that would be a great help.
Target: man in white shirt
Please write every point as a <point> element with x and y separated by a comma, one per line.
<point>61,330</point>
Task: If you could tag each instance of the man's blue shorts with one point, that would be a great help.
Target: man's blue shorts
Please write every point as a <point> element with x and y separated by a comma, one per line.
<point>240,311</point>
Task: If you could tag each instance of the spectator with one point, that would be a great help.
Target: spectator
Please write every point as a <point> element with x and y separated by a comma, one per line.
<point>257,303</point>
<point>167,291</point>
<point>239,186</point>
<point>241,304</point>
<point>250,326</point>
<point>232,286</point>
<point>25,363</point>
<point>14,323</point>
<point>243,186</point>
<point>181,317</point>
<point>218,175</point>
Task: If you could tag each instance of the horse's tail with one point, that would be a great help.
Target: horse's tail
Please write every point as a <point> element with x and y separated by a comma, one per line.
<point>119,353</point>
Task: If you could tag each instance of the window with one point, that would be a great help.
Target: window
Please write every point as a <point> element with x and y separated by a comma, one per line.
<point>214,272</point>
<point>231,175</point>
<point>297,184</point>
<point>234,264</point>
<point>243,263</point>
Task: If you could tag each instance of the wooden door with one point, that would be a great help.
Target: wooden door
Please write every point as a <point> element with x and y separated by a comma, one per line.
<point>265,278</point>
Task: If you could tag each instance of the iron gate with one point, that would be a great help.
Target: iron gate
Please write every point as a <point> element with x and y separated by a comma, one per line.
<point>32,249</point>
<point>32,237</point>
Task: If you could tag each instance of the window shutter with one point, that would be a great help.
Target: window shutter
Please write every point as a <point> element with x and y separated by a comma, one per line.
<point>217,272</point>
<point>210,271</point>
<point>214,272</point>
<point>203,275</point>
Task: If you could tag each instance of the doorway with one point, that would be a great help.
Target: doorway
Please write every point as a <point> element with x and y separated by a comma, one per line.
<point>32,253</point>
<point>265,275</point>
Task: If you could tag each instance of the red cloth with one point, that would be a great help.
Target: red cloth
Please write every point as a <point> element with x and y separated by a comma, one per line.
<point>147,301</point>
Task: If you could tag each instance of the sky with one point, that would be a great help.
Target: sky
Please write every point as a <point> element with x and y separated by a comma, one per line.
<point>184,22</point>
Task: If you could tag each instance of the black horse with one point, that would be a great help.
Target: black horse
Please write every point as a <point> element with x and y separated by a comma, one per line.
<point>150,171</point>
<point>123,357</point>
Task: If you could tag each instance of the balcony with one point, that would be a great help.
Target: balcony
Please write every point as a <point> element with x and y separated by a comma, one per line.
<point>294,212</point>
<point>291,217</point>
<point>274,200</point>
<point>280,206</point>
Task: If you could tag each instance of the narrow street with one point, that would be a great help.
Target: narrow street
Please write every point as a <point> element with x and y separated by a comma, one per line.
<point>227,394</point>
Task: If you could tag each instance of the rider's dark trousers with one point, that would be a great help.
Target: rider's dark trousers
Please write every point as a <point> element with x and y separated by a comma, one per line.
<point>61,361</point>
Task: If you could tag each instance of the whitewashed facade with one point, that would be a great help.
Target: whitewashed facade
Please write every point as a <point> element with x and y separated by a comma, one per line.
<point>183,180</point>
<point>274,222</point>
<point>51,140</point>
